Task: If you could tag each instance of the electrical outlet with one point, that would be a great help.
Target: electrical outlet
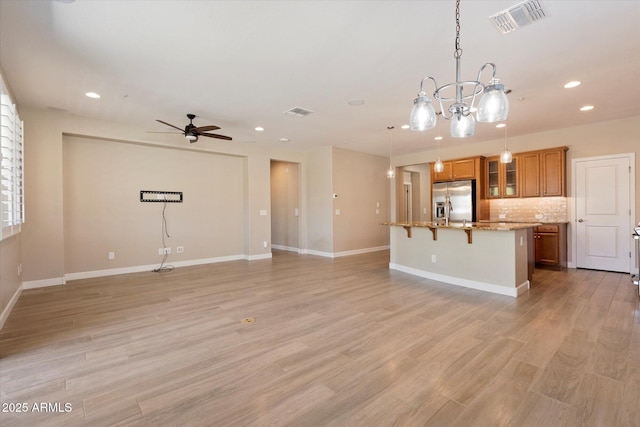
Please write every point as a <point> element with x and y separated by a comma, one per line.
<point>265,244</point>
<point>167,251</point>
<point>20,269</point>
<point>160,251</point>
<point>433,259</point>
<point>112,255</point>
<point>180,249</point>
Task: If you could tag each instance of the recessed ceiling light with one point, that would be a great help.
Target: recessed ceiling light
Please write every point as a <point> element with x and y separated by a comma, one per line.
<point>501,125</point>
<point>259,128</point>
<point>571,84</point>
<point>355,101</point>
<point>438,138</point>
<point>284,139</point>
<point>587,108</point>
<point>405,126</point>
<point>93,95</point>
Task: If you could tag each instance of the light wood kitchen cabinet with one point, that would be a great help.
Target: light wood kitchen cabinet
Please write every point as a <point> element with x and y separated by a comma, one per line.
<point>502,179</point>
<point>552,168</point>
<point>530,174</point>
<point>543,173</point>
<point>551,245</point>
<point>445,175</point>
<point>456,170</point>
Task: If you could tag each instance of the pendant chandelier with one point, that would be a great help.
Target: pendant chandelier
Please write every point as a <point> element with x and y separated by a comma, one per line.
<point>493,106</point>
<point>390,172</point>
<point>506,156</point>
<point>438,166</point>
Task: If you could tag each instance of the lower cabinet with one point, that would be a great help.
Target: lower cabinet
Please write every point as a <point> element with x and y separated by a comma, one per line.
<point>551,245</point>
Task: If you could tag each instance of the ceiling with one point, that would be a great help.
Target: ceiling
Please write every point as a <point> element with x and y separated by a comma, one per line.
<point>242,64</point>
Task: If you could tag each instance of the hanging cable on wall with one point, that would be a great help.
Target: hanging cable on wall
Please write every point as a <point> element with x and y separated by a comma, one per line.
<point>165,233</point>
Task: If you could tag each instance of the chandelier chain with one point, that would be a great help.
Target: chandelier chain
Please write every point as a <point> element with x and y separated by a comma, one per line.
<point>458,53</point>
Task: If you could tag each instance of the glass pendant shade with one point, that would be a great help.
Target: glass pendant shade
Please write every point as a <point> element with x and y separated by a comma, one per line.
<point>462,126</point>
<point>423,115</point>
<point>494,104</point>
<point>439,166</point>
<point>505,156</point>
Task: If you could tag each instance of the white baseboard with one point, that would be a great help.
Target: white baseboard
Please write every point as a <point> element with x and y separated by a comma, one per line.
<point>360,251</point>
<point>136,269</point>
<point>287,248</point>
<point>345,253</point>
<point>34,284</point>
<point>257,257</point>
<point>317,253</point>
<point>7,310</point>
<point>151,267</point>
<point>487,287</point>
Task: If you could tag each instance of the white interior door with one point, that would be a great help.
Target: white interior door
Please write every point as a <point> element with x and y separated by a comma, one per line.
<point>603,212</point>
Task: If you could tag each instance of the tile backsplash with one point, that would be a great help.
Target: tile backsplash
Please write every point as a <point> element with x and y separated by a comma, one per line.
<point>530,209</point>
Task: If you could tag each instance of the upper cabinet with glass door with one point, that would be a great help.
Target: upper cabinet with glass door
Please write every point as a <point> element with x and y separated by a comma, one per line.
<point>502,178</point>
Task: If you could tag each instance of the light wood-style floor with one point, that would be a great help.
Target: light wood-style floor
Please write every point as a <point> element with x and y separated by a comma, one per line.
<point>342,342</point>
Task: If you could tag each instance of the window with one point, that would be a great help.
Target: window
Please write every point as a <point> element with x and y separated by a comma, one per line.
<point>11,166</point>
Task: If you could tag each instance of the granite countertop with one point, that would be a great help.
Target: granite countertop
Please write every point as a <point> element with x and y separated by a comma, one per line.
<point>494,226</point>
<point>536,221</point>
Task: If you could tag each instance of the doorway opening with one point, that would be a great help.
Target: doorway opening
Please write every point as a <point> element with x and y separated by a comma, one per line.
<point>285,206</point>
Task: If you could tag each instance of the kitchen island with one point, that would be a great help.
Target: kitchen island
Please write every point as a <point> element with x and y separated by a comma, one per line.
<point>490,256</point>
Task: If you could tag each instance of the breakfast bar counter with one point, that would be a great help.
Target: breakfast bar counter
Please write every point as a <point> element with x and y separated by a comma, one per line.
<point>490,256</point>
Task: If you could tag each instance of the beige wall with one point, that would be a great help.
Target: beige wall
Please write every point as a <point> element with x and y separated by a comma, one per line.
<point>10,280</point>
<point>360,180</point>
<point>102,211</point>
<point>43,240</point>
<point>67,155</point>
<point>597,139</point>
<point>285,197</point>
<point>319,203</point>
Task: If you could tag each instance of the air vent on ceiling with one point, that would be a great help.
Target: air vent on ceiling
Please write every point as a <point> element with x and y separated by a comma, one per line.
<point>297,112</point>
<point>517,16</point>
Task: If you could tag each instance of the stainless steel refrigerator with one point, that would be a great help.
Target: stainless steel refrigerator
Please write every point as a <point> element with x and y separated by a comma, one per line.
<point>462,195</point>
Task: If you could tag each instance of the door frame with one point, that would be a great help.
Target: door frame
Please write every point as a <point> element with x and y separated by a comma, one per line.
<point>632,206</point>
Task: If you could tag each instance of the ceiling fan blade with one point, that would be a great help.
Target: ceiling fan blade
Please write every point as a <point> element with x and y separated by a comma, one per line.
<point>175,133</point>
<point>213,135</point>
<point>168,124</point>
<point>205,128</point>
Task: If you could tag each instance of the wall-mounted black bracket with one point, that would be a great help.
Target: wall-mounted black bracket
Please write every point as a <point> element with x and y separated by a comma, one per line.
<point>161,196</point>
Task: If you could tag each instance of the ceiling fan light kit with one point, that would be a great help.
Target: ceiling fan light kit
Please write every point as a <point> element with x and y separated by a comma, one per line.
<point>493,105</point>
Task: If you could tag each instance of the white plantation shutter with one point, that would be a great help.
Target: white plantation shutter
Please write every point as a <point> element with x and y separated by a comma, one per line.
<point>11,167</point>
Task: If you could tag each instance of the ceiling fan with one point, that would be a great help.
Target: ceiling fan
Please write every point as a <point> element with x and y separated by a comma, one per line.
<point>192,132</point>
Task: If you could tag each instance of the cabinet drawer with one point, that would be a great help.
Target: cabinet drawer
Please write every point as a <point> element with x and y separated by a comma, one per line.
<point>548,229</point>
